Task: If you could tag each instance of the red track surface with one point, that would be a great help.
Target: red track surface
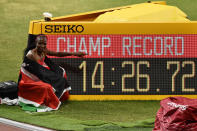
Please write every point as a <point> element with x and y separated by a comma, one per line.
<point>5,127</point>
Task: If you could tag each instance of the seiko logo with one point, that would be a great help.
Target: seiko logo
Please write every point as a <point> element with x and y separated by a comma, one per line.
<point>64,28</point>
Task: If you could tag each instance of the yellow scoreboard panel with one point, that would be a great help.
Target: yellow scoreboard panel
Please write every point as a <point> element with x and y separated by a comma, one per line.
<point>125,61</point>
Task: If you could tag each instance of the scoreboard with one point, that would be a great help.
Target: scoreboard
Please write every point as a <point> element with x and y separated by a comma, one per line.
<point>126,61</point>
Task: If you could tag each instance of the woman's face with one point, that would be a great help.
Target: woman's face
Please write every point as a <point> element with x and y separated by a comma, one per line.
<point>41,46</point>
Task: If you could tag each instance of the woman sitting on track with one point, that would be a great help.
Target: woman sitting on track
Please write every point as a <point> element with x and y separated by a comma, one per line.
<point>42,84</point>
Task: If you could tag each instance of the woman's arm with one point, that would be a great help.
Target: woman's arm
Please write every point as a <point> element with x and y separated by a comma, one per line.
<point>62,54</point>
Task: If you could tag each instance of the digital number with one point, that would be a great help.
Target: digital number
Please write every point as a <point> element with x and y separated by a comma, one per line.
<point>142,79</point>
<point>177,63</point>
<point>146,76</point>
<point>83,65</point>
<point>128,76</point>
<point>101,86</point>
<point>188,76</point>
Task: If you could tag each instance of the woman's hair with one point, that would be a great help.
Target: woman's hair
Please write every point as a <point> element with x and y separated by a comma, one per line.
<point>32,40</point>
<point>41,38</point>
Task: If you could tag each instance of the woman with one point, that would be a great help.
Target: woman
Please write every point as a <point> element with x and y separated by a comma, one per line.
<point>42,84</point>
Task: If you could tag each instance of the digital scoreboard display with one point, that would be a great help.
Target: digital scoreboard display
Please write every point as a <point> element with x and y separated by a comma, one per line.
<point>133,64</point>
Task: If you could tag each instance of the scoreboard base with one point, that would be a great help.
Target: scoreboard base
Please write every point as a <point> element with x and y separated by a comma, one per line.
<point>125,97</point>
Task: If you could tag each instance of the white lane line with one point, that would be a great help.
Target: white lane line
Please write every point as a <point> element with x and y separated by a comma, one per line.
<point>23,125</point>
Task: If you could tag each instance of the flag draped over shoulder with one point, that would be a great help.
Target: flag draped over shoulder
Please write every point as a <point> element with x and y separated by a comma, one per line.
<point>41,86</point>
